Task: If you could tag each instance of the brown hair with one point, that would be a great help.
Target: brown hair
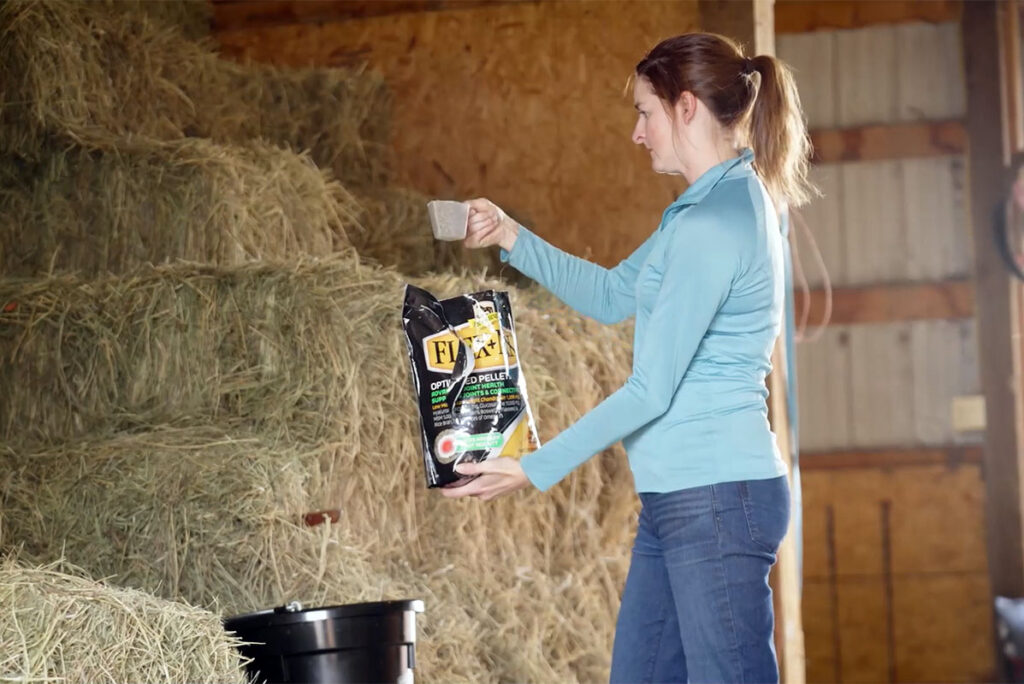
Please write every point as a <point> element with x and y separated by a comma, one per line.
<point>755,98</point>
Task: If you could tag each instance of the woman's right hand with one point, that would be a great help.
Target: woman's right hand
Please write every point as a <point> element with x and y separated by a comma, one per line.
<point>489,225</point>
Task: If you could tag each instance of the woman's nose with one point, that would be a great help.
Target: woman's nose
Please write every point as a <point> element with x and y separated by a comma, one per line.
<point>638,134</point>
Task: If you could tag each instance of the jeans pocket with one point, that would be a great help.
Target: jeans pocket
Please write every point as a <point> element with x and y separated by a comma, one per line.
<point>766,507</point>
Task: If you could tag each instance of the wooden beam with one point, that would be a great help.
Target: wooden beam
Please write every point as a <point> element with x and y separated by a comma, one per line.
<point>891,141</point>
<point>750,23</point>
<point>234,14</point>
<point>1013,106</point>
<point>997,299</point>
<point>846,459</point>
<point>801,16</point>
<point>944,300</point>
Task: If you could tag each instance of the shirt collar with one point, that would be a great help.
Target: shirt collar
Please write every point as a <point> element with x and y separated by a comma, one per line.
<point>730,168</point>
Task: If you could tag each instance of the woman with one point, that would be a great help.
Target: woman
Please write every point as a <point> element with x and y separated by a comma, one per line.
<point>706,289</point>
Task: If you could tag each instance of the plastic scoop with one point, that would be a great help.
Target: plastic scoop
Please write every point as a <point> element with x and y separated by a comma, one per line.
<point>448,219</point>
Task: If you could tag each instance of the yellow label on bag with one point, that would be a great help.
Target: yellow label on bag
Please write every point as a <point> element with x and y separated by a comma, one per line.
<point>489,351</point>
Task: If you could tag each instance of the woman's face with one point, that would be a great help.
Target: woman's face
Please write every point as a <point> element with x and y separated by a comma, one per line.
<point>654,130</point>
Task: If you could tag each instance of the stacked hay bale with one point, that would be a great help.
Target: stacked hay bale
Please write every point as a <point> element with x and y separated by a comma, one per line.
<point>57,625</point>
<point>168,426</point>
<point>95,76</point>
<point>305,360</point>
<point>106,211</point>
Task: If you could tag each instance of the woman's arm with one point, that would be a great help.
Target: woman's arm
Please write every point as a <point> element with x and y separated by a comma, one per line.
<point>700,265</point>
<point>601,293</point>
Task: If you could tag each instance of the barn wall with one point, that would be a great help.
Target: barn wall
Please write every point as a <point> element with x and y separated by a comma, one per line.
<point>521,103</point>
<point>896,584</point>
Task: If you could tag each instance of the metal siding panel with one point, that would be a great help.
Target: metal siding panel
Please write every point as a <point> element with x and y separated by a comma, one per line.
<point>966,372</point>
<point>937,240</point>
<point>822,218</point>
<point>866,76</point>
<point>812,57</point>
<point>882,375</point>
<point>874,228</point>
<point>823,374</point>
<point>934,349</point>
<point>931,79</point>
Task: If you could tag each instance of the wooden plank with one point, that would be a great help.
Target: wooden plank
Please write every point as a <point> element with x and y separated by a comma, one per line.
<point>997,298</point>
<point>862,630</point>
<point>937,519</point>
<point>821,623</point>
<point>235,14</point>
<point>855,459</point>
<point>1013,107</point>
<point>944,300</point>
<point>889,141</point>
<point>789,623</point>
<point>932,530</point>
<point>799,16</point>
<point>750,23</point>
<point>943,628</point>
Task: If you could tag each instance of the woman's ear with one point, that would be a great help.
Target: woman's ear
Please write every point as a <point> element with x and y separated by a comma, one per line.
<point>686,107</point>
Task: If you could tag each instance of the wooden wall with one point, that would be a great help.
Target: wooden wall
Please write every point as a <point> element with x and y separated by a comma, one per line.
<point>896,585</point>
<point>523,103</point>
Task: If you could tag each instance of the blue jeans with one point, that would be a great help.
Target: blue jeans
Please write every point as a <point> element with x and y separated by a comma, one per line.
<point>697,606</point>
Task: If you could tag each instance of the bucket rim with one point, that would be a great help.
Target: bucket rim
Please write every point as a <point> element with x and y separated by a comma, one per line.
<point>279,616</point>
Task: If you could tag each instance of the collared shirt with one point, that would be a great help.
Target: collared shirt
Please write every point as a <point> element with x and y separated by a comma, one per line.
<point>706,290</point>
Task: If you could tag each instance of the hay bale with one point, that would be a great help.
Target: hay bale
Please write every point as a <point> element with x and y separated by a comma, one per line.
<point>341,116</point>
<point>312,351</point>
<point>192,17</point>
<point>208,518</point>
<point>95,74</point>
<point>56,626</point>
<point>100,211</point>
<point>213,519</point>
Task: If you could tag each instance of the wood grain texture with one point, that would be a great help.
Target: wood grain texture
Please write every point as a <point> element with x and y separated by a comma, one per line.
<point>521,103</point>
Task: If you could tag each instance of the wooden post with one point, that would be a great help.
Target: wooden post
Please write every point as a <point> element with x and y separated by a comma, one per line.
<point>997,295</point>
<point>787,583</point>
<point>752,24</point>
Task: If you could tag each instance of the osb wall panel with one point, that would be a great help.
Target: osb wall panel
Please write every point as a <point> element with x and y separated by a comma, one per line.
<point>896,583</point>
<point>522,104</point>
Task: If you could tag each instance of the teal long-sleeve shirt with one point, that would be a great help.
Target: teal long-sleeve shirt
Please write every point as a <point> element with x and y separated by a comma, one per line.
<point>706,289</point>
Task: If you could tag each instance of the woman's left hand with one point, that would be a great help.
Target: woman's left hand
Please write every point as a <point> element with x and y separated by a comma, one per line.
<point>497,476</point>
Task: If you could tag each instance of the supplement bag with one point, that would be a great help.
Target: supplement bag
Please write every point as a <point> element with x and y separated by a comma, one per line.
<point>469,386</point>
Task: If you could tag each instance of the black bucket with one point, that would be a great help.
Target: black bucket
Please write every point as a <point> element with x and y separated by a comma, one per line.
<point>362,642</point>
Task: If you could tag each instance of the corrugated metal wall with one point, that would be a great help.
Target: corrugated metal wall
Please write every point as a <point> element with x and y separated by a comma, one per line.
<point>885,221</point>
<point>895,578</point>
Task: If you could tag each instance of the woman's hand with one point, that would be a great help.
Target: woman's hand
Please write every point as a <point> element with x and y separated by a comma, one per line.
<point>497,476</point>
<point>489,225</point>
